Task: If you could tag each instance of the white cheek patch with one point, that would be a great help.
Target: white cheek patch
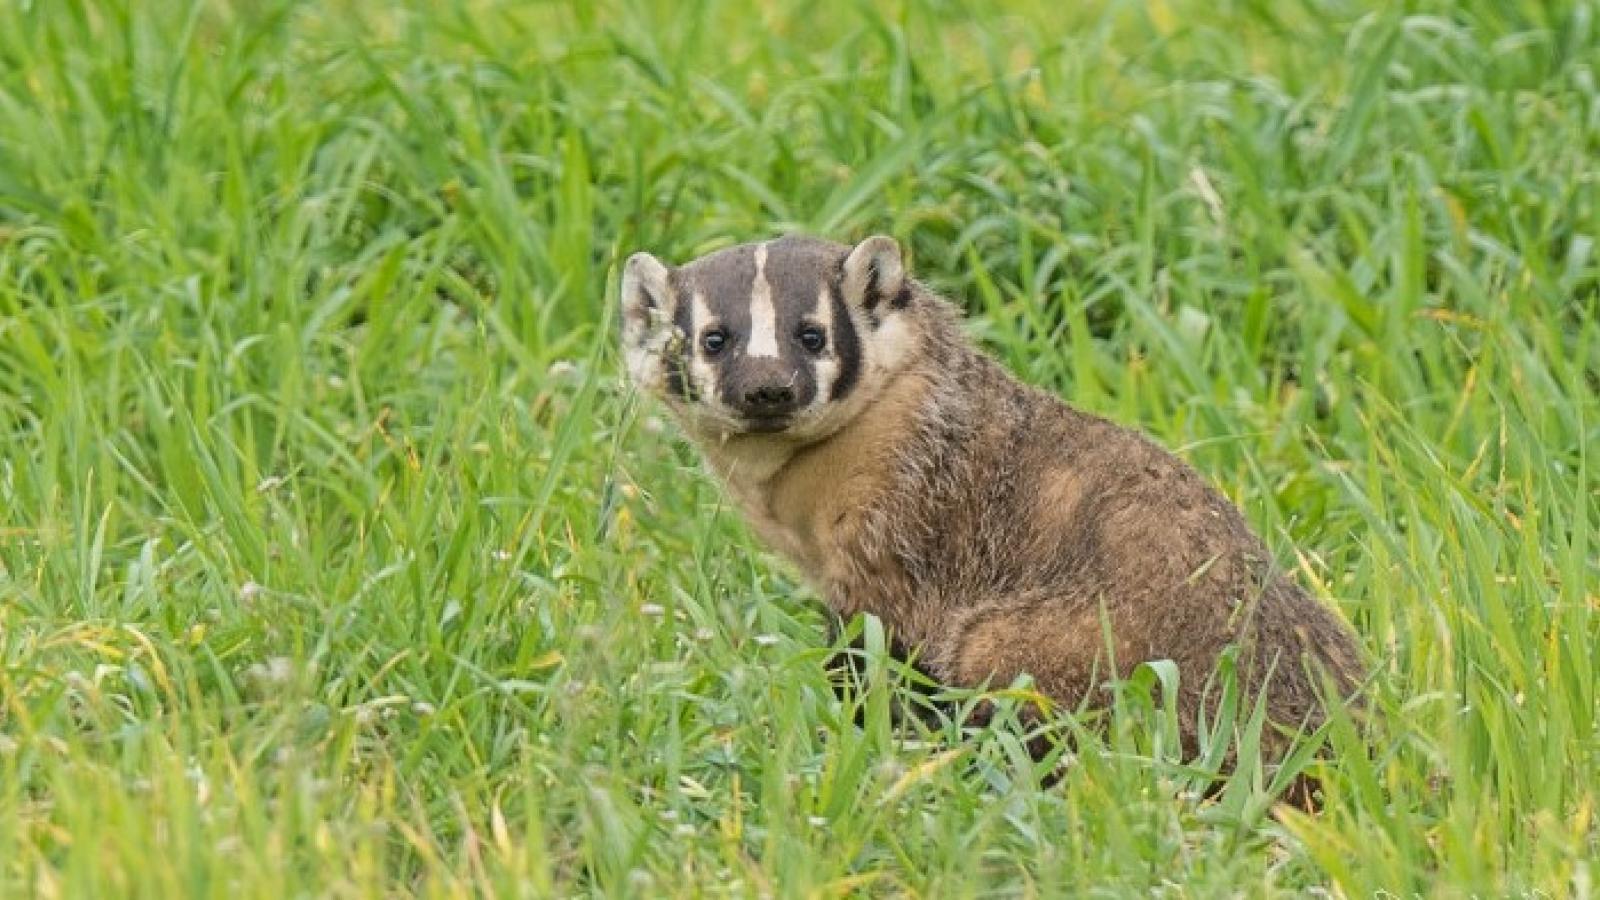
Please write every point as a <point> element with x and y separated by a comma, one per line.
<point>889,344</point>
<point>763,315</point>
<point>827,365</point>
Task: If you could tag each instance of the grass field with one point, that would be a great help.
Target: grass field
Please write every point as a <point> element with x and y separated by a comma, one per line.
<point>337,560</point>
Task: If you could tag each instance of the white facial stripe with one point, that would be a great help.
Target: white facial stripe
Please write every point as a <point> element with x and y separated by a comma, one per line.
<point>763,315</point>
<point>827,366</point>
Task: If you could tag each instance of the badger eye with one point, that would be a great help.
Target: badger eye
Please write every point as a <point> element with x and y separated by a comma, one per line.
<point>713,341</point>
<point>812,338</point>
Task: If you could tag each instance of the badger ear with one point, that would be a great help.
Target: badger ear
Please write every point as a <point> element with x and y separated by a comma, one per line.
<point>644,288</point>
<point>874,275</point>
<point>648,306</point>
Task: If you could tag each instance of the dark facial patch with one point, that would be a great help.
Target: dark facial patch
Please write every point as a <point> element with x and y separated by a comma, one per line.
<point>846,346</point>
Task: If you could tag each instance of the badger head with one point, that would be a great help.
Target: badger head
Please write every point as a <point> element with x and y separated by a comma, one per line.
<point>789,337</point>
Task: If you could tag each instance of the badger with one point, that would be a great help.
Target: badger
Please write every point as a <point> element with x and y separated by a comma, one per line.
<point>994,530</point>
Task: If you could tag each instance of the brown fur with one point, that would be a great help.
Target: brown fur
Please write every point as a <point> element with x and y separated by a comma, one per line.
<point>998,532</point>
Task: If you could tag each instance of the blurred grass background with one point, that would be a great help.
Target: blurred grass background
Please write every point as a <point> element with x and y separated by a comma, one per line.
<point>336,560</point>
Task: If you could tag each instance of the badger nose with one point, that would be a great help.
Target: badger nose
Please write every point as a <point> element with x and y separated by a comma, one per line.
<point>769,398</point>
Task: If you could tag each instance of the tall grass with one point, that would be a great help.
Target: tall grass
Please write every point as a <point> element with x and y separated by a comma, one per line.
<point>336,560</point>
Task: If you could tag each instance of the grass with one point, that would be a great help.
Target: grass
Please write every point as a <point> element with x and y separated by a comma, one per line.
<point>336,560</point>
